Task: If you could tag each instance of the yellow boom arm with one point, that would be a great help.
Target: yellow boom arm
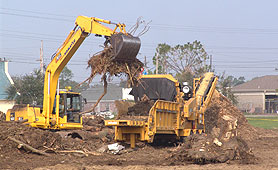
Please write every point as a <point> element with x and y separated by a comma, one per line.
<point>83,27</point>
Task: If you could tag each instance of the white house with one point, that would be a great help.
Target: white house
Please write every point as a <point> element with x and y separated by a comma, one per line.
<point>5,82</point>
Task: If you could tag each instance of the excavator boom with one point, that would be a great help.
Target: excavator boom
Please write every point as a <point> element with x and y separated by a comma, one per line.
<point>58,116</point>
<point>85,26</point>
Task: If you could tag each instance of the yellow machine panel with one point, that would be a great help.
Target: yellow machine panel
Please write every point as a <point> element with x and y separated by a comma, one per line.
<point>178,118</point>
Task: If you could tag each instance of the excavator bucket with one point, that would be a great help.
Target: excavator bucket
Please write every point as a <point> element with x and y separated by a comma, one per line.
<point>125,47</point>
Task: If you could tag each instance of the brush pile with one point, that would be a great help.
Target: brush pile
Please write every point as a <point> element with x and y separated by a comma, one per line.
<point>103,64</point>
<point>227,131</point>
<point>2,116</point>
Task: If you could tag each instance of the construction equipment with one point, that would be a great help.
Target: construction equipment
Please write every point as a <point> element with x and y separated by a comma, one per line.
<point>55,113</point>
<point>177,112</point>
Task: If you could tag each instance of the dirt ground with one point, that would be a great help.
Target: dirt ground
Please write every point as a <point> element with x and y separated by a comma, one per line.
<point>260,146</point>
<point>265,148</point>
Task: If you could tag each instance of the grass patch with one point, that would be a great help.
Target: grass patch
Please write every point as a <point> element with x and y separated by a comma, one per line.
<point>264,122</point>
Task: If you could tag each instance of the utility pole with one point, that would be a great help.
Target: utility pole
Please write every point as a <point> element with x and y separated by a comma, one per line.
<point>145,63</point>
<point>156,65</point>
<point>41,57</point>
<point>210,62</point>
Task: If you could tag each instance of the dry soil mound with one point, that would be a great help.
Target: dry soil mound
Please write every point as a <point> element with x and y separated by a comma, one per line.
<point>226,132</point>
<point>2,116</point>
<point>90,138</point>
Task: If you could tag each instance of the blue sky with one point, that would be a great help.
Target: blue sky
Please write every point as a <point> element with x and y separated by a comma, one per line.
<point>242,36</point>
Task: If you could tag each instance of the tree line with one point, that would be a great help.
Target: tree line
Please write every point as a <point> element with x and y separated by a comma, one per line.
<point>184,62</point>
<point>28,88</point>
<point>191,60</point>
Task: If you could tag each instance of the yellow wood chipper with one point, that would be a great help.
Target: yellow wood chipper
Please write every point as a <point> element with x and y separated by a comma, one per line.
<point>178,110</point>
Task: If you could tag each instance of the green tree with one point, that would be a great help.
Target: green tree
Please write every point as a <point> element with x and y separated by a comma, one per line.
<point>65,80</point>
<point>161,54</point>
<point>182,61</point>
<point>225,85</point>
<point>27,89</point>
<point>238,81</point>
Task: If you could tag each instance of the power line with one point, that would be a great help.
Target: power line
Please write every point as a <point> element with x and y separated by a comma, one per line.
<point>152,47</point>
<point>35,12</point>
<point>97,41</point>
<point>36,17</point>
<point>161,26</point>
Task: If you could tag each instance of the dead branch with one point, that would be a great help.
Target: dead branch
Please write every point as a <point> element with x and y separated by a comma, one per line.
<point>145,29</point>
<point>85,152</point>
<point>79,151</point>
<point>129,73</point>
<point>22,145</point>
<point>103,94</point>
<point>135,27</point>
<point>73,151</point>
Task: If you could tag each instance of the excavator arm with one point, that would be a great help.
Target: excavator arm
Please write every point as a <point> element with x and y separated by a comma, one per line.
<point>84,26</point>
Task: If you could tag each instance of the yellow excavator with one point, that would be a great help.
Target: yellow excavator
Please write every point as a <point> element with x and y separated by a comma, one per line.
<point>178,110</point>
<point>61,108</point>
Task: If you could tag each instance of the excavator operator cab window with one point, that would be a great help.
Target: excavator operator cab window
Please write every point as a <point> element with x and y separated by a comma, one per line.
<point>62,106</point>
<point>73,104</point>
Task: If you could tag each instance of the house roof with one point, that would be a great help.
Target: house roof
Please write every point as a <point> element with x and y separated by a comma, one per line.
<point>5,82</point>
<point>269,82</point>
<point>114,92</point>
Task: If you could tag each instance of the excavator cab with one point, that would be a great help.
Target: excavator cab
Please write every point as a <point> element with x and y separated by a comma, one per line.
<point>70,105</point>
<point>65,113</point>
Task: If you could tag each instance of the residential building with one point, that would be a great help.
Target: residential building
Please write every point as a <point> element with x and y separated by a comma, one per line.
<point>5,82</point>
<point>92,94</point>
<point>259,95</point>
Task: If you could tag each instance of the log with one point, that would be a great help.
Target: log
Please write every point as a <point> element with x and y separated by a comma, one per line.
<point>85,152</point>
<point>22,145</point>
<point>78,151</point>
<point>72,151</point>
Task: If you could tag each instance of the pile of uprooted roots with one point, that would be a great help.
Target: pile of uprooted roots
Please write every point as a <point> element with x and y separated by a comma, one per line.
<point>103,64</point>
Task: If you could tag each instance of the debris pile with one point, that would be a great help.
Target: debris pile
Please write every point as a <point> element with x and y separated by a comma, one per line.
<point>36,138</point>
<point>2,116</point>
<point>141,108</point>
<point>222,112</point>
<point>13,135</point>
<point>224,138</point>
<point>138,111</point>
<point>122,107</point>
<point>103,64</point>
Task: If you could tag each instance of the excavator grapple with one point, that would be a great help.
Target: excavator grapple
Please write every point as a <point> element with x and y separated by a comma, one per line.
<point>125,46</point>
